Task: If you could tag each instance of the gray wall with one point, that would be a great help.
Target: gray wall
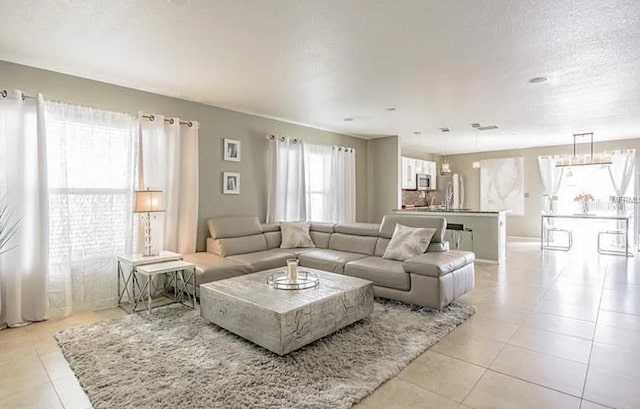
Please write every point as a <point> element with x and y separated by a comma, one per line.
<point>215,125</point>
<point>527,225</point>
<point>383,177</point>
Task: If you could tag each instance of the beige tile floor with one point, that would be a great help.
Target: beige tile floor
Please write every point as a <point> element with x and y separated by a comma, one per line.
<point>553,330</point>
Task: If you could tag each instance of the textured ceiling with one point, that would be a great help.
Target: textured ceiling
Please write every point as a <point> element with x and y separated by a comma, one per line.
<point>444,63</point>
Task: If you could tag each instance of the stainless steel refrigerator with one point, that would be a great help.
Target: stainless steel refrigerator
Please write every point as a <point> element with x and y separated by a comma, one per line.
<point>451,188</point>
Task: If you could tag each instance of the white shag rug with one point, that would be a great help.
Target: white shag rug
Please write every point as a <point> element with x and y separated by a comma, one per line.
<point>178,359</point>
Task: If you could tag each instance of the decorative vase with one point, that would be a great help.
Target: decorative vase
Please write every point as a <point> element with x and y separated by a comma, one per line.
<point>585,207</point>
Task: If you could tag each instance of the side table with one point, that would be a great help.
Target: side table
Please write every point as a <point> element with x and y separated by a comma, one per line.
<point>127,266</point>
<point>179,275</point>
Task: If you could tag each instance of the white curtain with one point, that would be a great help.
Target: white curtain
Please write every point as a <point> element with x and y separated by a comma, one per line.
<point>551,179</point>
<point>170,163</point>
<point>330,183</point>
<point>23,189</point>
<point>286,199</point>
<point>344,184</point>
<point>91,158</point>
<point>621,170</point>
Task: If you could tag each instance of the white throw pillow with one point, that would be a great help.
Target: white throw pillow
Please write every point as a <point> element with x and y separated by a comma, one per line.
<point>295,234</point>
<point>407,242</point>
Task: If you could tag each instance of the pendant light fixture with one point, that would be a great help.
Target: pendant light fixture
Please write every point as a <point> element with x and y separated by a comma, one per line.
<point>584,160</point>
<point>445,168</point>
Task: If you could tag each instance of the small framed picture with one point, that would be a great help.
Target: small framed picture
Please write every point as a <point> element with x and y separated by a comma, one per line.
<point>231,150</point>
<point>230,183</point>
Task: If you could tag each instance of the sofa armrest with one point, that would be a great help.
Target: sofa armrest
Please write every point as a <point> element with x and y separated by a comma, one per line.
<point>438,264</point>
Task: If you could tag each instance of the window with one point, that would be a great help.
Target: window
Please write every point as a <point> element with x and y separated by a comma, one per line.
<point>330,183</point>
<point>318,183</point>
<point>90,157</point>
<point>594,180</point>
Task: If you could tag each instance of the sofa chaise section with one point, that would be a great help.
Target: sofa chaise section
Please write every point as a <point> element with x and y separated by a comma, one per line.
<point>451,272</point>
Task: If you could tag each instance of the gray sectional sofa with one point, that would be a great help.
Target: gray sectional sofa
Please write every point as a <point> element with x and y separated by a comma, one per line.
<point>242,245</point>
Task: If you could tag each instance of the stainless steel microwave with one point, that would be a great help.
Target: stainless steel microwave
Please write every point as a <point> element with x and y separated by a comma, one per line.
<point>423,181</point>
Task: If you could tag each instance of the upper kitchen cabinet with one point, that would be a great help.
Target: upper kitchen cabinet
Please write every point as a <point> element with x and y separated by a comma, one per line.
<point>411,167</point>
<point>408,173</point>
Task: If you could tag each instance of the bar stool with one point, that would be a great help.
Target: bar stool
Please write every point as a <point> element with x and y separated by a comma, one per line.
<point>616,232</point>
<point>551,229</point>
<point>454,230</point>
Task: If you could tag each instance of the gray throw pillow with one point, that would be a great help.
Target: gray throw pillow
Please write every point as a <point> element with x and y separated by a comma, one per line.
<point>407,242</point>
<point>295,234</point>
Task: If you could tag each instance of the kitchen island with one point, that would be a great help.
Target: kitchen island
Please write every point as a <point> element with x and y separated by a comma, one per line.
<point>488,229</point>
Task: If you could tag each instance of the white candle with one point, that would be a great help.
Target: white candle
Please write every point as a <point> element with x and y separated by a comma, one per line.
<point>292,269</point>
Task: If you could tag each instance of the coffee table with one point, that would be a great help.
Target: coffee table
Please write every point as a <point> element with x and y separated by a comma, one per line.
<point>285,320</point>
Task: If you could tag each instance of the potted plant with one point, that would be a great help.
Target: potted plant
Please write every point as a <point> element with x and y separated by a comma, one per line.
<point>584,198</point>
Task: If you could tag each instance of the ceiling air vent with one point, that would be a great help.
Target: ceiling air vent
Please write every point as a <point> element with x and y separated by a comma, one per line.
<point>475,125</point>
<point>487,128</point>
<point>445,130</point>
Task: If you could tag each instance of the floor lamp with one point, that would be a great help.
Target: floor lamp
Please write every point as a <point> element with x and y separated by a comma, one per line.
<point>149,201</point>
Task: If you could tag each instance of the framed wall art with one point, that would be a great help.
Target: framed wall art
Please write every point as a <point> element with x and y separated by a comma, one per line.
<point>231,150</point>
<point>230,183</point>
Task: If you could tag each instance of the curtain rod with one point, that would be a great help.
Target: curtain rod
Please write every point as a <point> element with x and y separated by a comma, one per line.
<point>282,139</point>
<point>4,94</point>
<point>293,140</point>
<point>170,120</point>
<point>24,96</point>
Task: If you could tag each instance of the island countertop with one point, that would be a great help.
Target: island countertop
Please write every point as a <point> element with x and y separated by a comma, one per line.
<point>486,227</point>
<point>445,212</point>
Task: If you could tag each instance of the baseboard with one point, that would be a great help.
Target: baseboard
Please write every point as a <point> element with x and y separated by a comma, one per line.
<point>525,238</point>
<point>481,260</point>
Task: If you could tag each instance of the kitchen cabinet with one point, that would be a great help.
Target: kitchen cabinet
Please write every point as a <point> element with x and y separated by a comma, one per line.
<point>410,167</point>
<point>408,173</point>
<point>432,169</point>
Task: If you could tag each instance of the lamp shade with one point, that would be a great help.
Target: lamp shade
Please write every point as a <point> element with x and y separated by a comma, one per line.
<point>149,201</point>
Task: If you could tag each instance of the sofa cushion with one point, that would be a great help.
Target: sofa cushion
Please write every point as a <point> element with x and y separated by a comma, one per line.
<point>359,229</point>
<point>320,239</point>
<point>408,242</point>
<point>381,246</point>
<point>389,225</point>
<point>295,235</point>
<point>353,244</point>
<point>332,261</point>
<point>263,260</point>
<point>438,264</point>
<point>273,238</point>
<point>382,243</point>
<point>237,245</point>
<point>270,227</point>
<point>297,251</point>
<point>210,267</point>
<point>226,227</point>
<point>323,227</point>
<point>383,272</point>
